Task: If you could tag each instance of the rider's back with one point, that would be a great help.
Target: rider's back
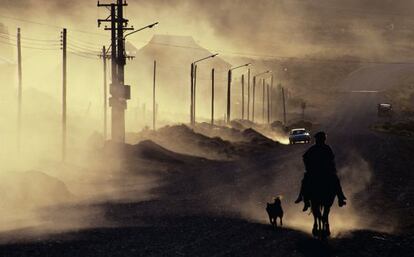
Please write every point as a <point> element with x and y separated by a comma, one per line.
<point>319,159</point>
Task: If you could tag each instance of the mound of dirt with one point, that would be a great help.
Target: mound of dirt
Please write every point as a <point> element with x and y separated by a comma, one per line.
<point>278,125</point>
<point>257,138</point>
<point>226,133</point>
<point>242,124</point>
<point>31,189</point>
<point>184,140</point>
<point>149,150</point>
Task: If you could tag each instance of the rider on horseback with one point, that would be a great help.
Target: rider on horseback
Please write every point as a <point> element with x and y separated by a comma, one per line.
<point>319,160</point>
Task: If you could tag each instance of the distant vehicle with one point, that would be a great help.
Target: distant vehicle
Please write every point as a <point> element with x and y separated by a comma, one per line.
<point>299,135</point>
<point>384,110</point>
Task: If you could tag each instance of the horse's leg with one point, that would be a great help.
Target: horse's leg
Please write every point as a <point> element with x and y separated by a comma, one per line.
<point>315,220</point>
<point>320,218</point>
<point>326,212</point>
<point>320,221</point>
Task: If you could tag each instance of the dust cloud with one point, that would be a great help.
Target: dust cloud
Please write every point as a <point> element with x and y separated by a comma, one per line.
<point>250,202</point>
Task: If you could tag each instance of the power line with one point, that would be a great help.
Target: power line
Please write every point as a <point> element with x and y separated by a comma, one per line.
<point>88,44</point>
<point>29,47</point>
<point>80,48</point>
<point>83,56</point>
<point>34,39</point>
<point>52,26</point>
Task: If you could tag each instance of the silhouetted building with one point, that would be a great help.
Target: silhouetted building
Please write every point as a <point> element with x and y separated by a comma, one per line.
<point>174,55</point>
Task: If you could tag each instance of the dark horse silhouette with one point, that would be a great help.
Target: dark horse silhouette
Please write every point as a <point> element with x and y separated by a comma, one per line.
<point>320,184</point>
<point>322,193</point>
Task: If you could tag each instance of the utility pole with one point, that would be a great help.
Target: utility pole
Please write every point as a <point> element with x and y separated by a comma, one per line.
<point>64,66</point>
<point>212,97</point>
<point>268,104</point>
<point>153,96</point>
<point>229,78</point>
<point>19,92</point>
<point>192,92</point>
<point>120,92</point>
<point>272,97</point>
<point>284,106</point>
<point>105,85</point>
<point>194,86</point>
<point>248,94</point>
<point>228,94</point>
<point>242,82</point>
<point>263,101</point>
<point>194,95</point>
<point>254,92</point>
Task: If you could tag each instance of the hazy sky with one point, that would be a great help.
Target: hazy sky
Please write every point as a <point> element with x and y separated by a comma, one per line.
<point>285,27</point>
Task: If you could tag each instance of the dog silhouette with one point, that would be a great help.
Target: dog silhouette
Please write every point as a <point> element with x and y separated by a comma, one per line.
<point>274,210</point>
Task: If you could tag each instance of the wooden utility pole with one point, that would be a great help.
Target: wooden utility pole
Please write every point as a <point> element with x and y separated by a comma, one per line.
<point>19,92</point>
<point>153,96</point>
<point>263,101</point>
<point>194,95</point>
<point>192,92</point>
<point>272,97</point>
<point>254,92</point>
<point>120,92</point>
<point>212,97</point>
<point>268,104</point>
<point>228,95</point>
<point>284,106</point>
<point>105,91</point>
<point>248,94</point>
<point>64,46</point>
<point>242,82</point>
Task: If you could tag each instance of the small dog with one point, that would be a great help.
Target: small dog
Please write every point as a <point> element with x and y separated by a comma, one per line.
<point>274,210</point>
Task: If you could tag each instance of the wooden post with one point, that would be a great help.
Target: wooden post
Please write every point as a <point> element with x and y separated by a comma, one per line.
<point>268,104</point>
<point>212,97</point>
<point>242,81</point>
<point>263,100</point>
<point>64,34</point>
<point>153,96</point>
<point>19,92</point>
<point>272,104</point>
<point>228,95</point>
<point>105,88</point>
<point>248,94</point>
<point>194,94</point>
<point>254,92</point>
<point>284,106</point>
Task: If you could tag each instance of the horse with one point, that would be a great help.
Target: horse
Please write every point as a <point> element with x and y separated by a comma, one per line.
<point>322,194</point>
